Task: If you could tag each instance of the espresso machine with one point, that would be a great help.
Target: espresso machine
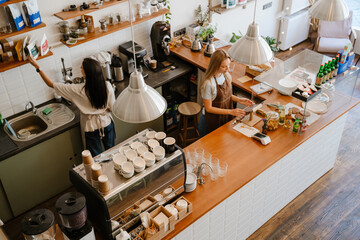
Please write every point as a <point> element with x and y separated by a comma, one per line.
<point>160,38</point>
<point>127,57</point>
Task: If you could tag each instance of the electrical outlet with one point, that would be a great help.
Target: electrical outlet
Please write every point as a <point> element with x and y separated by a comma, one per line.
<point>268,5</point>
<point>179,32</point>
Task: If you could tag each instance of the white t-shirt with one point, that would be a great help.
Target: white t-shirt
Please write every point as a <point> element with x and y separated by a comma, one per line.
<point>90,117</point>
<point>208,90</point>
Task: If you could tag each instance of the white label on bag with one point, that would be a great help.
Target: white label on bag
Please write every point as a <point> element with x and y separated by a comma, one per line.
<point>21,24</point>
<point>36,20</point>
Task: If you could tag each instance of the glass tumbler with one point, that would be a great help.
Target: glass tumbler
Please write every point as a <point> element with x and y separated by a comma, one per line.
<point>223,167</point>
<point>214,164</point>
<point>199,152</point>
<point>206,159</point>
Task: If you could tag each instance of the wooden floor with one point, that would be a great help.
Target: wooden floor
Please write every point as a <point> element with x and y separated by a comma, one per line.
<point>330,208</point>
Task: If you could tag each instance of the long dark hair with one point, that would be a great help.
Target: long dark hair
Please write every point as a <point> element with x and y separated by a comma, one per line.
<point>95,86</point>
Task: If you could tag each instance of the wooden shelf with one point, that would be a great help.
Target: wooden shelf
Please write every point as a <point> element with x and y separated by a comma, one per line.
<point>115,28</point>
<point>93,8</point>
<point>11,2</point>
<point>24,30</point>
<point>218,9</point>
<point>7,66</point>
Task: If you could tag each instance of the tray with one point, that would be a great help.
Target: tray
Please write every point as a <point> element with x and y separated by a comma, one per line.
<point>304,99</point>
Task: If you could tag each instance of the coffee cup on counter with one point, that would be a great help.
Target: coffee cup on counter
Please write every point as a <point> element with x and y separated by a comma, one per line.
<point>149,158</point>
<point>95,173</point>
<point>87,161</point>
<point>160,136</point>
<point>169,144</point>
<point>153,64</point>
<point>127,169</point>
<point>104,184</point>
<point>159,152</point>
<point>118,159</point>
<point>139,164</point>
<point>131,154</point>
<point>150,134</point>
<point>152,143</point>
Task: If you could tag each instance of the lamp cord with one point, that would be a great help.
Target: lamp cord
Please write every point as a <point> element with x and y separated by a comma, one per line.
<point>254,11</point>
<point>132,33</point>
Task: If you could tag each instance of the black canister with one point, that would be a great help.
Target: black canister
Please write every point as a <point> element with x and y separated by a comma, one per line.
<point>71,208</point>
<point>38,224</point>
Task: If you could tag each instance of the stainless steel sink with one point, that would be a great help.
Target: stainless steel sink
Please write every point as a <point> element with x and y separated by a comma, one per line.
<point>29,125</point>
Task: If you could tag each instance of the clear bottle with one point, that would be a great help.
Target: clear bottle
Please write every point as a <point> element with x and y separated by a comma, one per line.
<point>288,119</point>
<point>282,115</point>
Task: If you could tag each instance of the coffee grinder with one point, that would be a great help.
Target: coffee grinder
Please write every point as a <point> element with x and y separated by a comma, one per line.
<point>160,38</point>
<point>127,57</point>
<point>72,211</point>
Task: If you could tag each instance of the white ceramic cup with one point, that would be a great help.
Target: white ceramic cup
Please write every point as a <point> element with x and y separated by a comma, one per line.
<point>123,149</point>
<point>173,210</point>
<point>127,169</point>
<point>135,145</point>
<point>160,136</point>
<point>159,152</point>
<point>131,154</point>
<point>139,164</point>
<point>153,143</point>
<point>149,158</point>
<point>141,150</point>
<point>118,159</point>
<point>150,134</point>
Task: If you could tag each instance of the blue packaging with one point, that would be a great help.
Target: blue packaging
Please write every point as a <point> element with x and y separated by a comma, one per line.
<point>346,64</point>
<point>15,16</point>
<point>2,1</point>
<point>32,11</point>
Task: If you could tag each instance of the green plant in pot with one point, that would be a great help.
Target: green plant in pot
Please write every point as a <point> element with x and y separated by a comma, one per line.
<point>202,18</point>
<point>207,33</point>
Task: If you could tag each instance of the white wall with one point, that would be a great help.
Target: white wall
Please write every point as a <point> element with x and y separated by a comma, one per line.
<point>19,85</point>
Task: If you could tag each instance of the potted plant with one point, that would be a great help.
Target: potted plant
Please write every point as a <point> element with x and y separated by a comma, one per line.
<point>202,18</point>
<point>207,33</point>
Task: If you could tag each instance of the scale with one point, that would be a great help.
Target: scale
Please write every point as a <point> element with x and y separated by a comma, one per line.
<point>264,139</point>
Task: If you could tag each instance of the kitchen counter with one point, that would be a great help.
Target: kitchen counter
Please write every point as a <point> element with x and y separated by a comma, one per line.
<point>155,80</point>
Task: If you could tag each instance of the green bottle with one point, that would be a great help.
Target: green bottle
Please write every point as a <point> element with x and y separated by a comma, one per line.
<point>296,125</point>
<point>329,71</point>
<point>1,120</point>
<point>319,76</point>
<point>333,68</point>
<point>336,65</point>
<point>325,72</point>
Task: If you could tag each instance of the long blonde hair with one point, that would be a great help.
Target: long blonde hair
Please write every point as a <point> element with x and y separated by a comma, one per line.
<point>215,62</point>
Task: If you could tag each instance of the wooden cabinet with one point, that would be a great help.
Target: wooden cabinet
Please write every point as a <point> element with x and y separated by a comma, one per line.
<point>40,172</point>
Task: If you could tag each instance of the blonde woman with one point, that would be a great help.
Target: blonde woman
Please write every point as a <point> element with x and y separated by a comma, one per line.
<point>216,92</point>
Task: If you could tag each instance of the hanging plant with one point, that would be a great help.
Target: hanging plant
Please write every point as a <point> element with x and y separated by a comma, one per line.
<point>167,15</point>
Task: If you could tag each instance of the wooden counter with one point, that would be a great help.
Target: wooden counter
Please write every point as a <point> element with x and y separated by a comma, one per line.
<point>247,158</point>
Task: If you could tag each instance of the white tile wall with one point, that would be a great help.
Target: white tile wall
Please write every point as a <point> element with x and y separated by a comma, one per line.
<point>249,208</point>
<point>23,84</point>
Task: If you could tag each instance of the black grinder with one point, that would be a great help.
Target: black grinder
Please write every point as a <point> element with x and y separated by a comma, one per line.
<point>160,37</point>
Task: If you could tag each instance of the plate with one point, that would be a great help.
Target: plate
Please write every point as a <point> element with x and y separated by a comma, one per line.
<point>71,41</point>
<point>316,106</point>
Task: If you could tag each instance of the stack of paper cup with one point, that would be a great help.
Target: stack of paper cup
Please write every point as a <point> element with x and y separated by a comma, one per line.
<point>104,185</point>
<point>87,161</point>
<point>95,174</point>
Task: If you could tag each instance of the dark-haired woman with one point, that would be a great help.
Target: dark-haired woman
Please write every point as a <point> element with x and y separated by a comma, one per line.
<point>94,98</point>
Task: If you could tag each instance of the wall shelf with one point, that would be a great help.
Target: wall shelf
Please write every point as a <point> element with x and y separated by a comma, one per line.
<point>24,30</point>
<point>10,65</point>
<point>114,28</point>
<point>11,2</point>
<point>93,8</point>
<point>218,9</point>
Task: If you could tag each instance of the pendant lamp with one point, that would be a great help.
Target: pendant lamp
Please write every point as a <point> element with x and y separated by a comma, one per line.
<point>251,49</point>
<point>329,10</point>
<point>138,103</point>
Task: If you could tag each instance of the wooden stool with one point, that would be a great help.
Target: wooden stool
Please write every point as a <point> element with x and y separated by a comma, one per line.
<point>188,111</point>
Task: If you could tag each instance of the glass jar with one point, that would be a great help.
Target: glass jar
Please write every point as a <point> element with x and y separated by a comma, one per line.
<point>103,26</point>
<point>64,26</point>
<point>273,120</point>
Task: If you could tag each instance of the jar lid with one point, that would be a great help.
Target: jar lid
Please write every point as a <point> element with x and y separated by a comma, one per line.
<point>37,221</point>
<point>70,203</point>
<point>273,114</point>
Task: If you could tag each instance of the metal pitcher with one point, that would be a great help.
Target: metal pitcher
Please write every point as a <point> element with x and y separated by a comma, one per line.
<point>196,45</point>
<point>210,48</point>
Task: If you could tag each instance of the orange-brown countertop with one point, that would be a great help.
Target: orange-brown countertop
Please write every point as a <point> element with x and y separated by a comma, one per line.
<point>246,157</point>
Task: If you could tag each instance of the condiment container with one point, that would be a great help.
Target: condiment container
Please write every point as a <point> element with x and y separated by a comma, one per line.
<point>38,225</point>
<point>71,208</point>
<point>273,120</point>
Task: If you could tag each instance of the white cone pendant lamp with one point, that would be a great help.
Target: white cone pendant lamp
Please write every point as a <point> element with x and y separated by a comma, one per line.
<point>138,103</point>
<point>329,10</point>
<point>251,49</point>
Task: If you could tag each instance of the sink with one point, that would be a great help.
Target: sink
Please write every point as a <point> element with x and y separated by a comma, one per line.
<point>29,125</point>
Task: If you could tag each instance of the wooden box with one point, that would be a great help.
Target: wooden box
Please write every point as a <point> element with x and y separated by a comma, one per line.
<point>140,203</point>
<point>161,227</point>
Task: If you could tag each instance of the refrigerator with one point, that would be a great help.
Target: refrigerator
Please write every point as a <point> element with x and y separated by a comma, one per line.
<point>294,24</point>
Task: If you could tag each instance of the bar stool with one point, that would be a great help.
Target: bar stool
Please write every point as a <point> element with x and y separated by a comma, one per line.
<point>189,112</point>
